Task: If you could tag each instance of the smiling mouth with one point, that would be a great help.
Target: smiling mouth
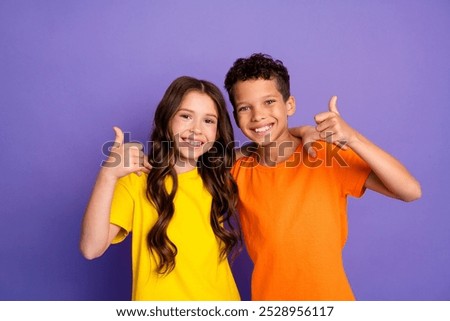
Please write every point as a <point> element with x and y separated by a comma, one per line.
<point>191,143</point>
<point>262,130</point>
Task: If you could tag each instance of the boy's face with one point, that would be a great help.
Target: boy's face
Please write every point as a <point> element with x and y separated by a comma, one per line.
<point>261,112</point>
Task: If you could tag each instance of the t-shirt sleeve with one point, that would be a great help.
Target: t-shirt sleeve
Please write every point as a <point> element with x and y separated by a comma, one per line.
<point>353,174</point>
<point>122,207</point>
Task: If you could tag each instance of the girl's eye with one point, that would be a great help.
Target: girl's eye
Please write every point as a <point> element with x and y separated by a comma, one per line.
<point>243,108</point>
<point>185,116</point>
<point>210,121</point>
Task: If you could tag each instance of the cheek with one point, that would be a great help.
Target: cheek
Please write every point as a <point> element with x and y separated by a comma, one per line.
<point>241,121</point>
<point>177,127</point>
<point>212,133</point>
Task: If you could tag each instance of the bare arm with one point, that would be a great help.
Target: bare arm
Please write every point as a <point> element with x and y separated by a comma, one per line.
<point>97,232</point>
<point>388,176</point>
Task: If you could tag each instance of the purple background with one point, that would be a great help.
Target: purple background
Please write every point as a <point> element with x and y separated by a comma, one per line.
<point>70,70</point>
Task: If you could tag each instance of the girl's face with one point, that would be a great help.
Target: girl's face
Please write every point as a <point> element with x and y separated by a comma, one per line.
<point>194,128</point>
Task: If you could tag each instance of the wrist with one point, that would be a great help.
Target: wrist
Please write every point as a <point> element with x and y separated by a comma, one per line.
<point>107,174</point>
<point>355,140</point>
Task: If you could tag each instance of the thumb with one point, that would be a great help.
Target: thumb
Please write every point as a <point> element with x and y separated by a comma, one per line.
<point>332,105</point>
<point>118,141</point>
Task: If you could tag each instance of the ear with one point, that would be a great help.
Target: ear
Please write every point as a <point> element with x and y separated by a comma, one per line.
<point>290,105</point>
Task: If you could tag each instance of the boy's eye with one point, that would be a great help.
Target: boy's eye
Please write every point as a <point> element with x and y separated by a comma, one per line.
<point>243,108</point>
<point>270,101</point>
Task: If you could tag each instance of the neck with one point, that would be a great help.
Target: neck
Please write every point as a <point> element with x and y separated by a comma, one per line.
<point>184,166</point>
<point>275,152</point>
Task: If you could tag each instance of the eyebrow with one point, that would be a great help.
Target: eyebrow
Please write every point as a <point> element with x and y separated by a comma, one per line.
<point>262,98</point>
<point>270,96</point>
<point>193,111</point>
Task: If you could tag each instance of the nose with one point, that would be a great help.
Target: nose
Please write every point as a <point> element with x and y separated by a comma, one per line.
<point>196,128</point>
<point>257,114</point>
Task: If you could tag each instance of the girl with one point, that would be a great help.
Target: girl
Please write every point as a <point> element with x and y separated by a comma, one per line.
<point>180,211</point>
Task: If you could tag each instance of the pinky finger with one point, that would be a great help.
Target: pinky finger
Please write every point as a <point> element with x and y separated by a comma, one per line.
<point>147,164</point>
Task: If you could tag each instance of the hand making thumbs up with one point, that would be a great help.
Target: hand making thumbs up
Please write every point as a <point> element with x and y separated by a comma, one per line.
<point>332,128</point>
<point>125,158</point>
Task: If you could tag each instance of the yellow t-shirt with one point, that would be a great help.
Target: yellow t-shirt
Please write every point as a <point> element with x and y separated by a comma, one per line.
<point>199,272</point>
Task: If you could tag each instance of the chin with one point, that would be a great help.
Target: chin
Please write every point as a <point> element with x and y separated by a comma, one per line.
<point>261,141</point>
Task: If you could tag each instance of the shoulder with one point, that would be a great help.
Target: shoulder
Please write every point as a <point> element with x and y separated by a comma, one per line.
<point>133,181</point>
<point>246,150</point>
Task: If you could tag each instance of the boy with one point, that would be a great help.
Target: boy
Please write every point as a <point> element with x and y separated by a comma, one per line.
<point>293,208</point>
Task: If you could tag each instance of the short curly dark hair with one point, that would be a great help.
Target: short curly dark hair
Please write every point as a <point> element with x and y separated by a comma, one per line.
<point>258,66</point>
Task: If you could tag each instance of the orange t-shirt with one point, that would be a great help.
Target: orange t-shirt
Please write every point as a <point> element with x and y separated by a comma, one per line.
<point>294,221</point>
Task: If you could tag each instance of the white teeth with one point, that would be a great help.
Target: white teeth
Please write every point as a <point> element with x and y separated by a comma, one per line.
<point>263,129</point>
<point>193,143</point>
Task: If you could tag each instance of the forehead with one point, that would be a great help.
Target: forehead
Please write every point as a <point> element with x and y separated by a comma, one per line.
<point>198,102</point>
<point>254,89</point>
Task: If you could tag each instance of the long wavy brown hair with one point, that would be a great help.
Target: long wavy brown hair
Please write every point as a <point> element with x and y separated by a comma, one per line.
<point>213,166</point>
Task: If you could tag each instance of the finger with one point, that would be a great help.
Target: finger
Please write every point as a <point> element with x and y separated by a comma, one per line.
<point>321,117</point>
<point>333,138</point>
<point>136,161</point>
<point>143,159</point>
<point>144,167</point>
<point>136,145</point>
<point>328,124</point>
<point>118,141</point>
<point>332,105</point>
<point>147,164</point>
<point>145,170</point>
<point>327,135</point>
<point>131,158</point>
<point>132,154</point>
<point>132,150</point>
